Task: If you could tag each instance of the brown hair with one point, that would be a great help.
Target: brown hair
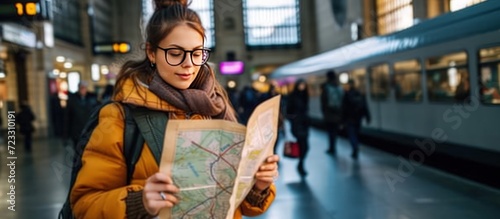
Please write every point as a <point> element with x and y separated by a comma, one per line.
<point>159,4</point>
<point>168,15</point>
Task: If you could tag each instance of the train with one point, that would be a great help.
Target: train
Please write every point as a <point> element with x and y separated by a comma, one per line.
<point>435,85</point>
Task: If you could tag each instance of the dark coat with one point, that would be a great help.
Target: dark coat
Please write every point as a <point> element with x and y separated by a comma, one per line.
<point>298,112</point>
<point>248,100</point>
<point>354,108</point>
<point>78,111</point>
<point>25,120</point>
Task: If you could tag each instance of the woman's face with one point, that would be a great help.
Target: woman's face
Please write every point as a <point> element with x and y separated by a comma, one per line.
<point>302,86</point>
<point>181,37</point>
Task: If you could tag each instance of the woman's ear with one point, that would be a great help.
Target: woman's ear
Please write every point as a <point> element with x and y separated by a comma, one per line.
<point>150,52</point>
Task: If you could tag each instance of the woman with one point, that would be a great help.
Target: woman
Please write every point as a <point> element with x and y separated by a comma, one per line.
<point>297,112</point>
<point>173,78</point>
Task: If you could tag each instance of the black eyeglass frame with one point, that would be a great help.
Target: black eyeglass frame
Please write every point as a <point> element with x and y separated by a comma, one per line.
<point>205,50</point>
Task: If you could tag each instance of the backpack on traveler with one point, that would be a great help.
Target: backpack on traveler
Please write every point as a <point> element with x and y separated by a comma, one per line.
<point>140,125</point>
<point>331,103</point>
<point>334,98</point>
<point>357,103</point>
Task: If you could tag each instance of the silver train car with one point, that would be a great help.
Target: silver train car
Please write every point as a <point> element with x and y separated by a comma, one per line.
<point>434,86</point>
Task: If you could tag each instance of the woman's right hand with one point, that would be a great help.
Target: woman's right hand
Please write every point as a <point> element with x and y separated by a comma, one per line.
<point>159,192</point>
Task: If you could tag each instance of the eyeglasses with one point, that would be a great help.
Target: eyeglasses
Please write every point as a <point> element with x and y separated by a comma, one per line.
<point>176,56</point>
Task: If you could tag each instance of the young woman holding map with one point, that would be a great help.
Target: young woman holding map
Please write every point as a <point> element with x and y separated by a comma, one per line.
<point>175,79</point>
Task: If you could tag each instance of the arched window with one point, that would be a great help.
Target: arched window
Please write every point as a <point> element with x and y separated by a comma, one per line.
<point>456,5</point>
<point>436,8</point>
<point>271,24</point>
<point>393,15</point>
<point>204,8</point>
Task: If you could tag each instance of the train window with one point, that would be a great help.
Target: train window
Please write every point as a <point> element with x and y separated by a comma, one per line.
<point>407,83</point>
<point>359,77</point>
<point>315,83</point>
<point>448,77</point>
<point>489,74</point>
<point>379,81</point>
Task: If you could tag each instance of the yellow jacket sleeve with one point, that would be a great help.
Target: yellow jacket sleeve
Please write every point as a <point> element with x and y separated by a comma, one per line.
<point>100,188</point>
<point>248,210</point>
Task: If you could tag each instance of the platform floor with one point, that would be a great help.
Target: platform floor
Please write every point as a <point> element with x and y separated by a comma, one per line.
<point>336,186</point>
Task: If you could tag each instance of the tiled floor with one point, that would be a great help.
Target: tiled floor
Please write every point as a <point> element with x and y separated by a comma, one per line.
<point>41,180</point>
<point>336,187</point>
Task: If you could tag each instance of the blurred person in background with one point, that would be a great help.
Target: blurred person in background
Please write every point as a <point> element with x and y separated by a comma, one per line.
<point>25,120</point>
<point>107,93</point>
<point>247,101</point>
<point>331,107</point>
<point>297,112</point>
<point>80,105</point>
<point>232,93</point>
<point>354,109</point>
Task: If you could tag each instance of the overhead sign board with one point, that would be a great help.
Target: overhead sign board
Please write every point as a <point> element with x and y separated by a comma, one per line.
<point>116,47</point>
<point>18,10</point>
<point>18,34</point>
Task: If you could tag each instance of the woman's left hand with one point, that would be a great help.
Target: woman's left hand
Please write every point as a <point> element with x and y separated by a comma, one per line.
<point>267,173</point>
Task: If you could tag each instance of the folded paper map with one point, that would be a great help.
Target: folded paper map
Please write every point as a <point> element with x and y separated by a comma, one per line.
<point>213,162</point>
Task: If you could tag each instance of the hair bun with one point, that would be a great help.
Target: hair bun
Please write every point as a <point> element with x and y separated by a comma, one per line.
<point>159,4</point>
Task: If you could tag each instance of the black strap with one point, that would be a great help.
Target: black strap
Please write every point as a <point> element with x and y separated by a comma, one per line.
<point>152,125</point>
<point>132,142</point>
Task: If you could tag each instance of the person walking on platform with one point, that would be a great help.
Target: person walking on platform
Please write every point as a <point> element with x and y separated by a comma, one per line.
<point>331,107</point>
<point>107,93</point>
<point>78,109</point>
<point>172,80</point>
<point>354,109</point>
<point>25,119</point>
<point>297,113</point>
<point>247,102</point>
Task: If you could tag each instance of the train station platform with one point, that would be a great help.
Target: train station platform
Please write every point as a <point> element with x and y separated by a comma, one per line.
<point>377,185</point>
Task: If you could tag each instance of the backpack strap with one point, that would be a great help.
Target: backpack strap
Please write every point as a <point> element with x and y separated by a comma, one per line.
<point>152,125</point>
<point>132,141</point>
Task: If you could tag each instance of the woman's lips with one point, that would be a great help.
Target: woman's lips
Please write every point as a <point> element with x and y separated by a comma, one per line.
<point>185,76</point>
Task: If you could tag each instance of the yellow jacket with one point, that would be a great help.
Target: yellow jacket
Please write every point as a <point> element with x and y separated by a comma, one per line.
<point>100,189</point>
